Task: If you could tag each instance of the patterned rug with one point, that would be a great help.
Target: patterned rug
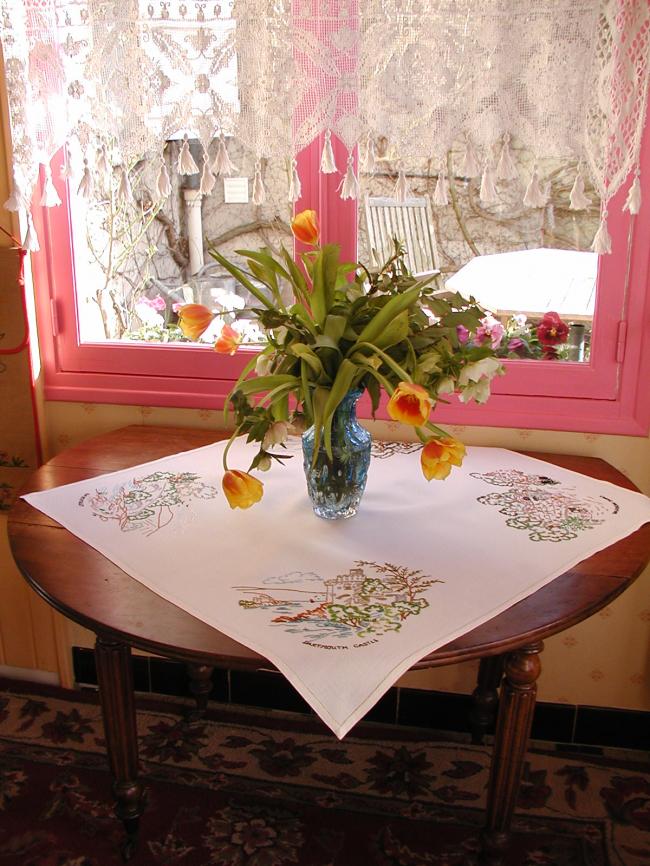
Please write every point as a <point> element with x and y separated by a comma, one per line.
<point>269,789</point>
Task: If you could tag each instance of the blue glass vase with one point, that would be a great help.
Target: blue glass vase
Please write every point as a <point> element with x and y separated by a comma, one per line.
<point>336,486</point>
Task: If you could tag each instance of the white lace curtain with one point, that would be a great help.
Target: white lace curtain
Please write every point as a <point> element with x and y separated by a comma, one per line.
<point>564,78</point>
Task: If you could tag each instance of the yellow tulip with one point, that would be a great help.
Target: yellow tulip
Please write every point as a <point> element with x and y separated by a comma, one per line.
<point>439,455</point>
<point>305,227</point>
<point>241,489</point>
<point>410,404</point>
<point>228,342</point>
<point>194,319</point>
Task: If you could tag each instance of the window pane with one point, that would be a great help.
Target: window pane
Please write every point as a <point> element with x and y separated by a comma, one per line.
<point>138,259</point>
<point>522,263</point>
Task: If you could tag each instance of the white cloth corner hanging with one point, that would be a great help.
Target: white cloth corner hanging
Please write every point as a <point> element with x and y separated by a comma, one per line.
<point>343,608</point>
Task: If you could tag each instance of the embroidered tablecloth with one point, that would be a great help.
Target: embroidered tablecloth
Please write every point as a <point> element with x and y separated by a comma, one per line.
<point>343,608</point>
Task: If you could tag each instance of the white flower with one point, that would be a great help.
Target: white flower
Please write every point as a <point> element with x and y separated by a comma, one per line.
<point>264,464</point>
<point>474,379</point>
<point>275,435</point>
<point>446,386</point>
<point>520,319</point>
<point>147,315</point>
<point>479,391</point>
<point>263,364</point>
<point>486,368</point>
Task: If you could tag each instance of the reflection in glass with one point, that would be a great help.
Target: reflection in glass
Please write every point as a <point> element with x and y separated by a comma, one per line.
<point>521,263</point>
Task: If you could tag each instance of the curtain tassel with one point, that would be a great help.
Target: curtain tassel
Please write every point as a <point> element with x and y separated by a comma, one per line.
<point>259,193</point>
<point>163,183</point>
<point>470,166</point>
<point>441,192</point>
<point>506,169</point>
<point>488,191</point>
<point>222,166</point>
<point>66,168</point>
<point>369,163</point>
<point>350,185</point>
<point>208,180</point>
<point>85,188</point>
<point>535,196</point>
<point>402,191</point>
<point>633,200</point>
<point>104,169</point>
<point>31,243</point>
<point>295,187</point>
<point>577,198</point>
<point>50,197</point>
<point>327,161</point>
<point>602,241</point>
<point>124,191</point>
<point>15,200</point>
<point>186,164</point>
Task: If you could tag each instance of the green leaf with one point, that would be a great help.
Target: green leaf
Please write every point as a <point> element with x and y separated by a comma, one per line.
<point>299,311</point>
<point>267,383</point>
<point>388,312</point>
<point>241,277</point>
<point>247,369</point>
<point>375,393</point>
<point>342,384</point>
<point>395,332</point>
<point>390,362</point>
<point>324,279</point>
<point>334,327</point>
<point>307,354</point>
<point>320,398</point>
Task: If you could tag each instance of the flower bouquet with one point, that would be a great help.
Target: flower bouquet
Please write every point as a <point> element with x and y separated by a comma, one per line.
<point>335,330</point>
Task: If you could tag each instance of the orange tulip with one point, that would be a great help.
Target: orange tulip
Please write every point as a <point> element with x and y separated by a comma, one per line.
<point>228,342</point>
<point>194,319</point>
<point>410,404</point>
<point>305,227</point>
<point>241,489</point>
<point>439,455</point>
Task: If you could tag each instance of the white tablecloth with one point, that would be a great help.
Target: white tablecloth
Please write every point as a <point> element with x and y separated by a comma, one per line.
<point>343,608</point>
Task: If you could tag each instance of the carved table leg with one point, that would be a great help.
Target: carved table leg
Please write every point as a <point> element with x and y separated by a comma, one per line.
<point>522,668</point>
<point>115,678</point>
<point>485,698</point>
<point>200,686</point>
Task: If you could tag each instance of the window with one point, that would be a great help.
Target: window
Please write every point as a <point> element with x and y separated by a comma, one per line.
<point>603,394</point>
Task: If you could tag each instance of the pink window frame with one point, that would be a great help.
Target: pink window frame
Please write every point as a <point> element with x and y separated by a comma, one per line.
<point>605,395</point>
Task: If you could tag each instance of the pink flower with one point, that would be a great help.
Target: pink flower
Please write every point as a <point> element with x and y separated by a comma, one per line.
<point>463,334</point>
<point>515,344</point>
<point>156,303</point>
<point>490,329</point>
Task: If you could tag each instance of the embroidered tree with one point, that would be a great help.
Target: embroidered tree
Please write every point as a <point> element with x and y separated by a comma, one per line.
<point>401,581</point>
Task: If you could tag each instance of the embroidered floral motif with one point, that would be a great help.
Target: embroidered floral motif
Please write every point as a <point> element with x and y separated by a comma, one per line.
<point>542,507</point>
<point>145,504</point>
<point>382,450</point>
<point>366,602</point>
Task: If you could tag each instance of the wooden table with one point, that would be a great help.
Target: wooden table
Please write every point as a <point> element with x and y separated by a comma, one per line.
<point>123,613</point>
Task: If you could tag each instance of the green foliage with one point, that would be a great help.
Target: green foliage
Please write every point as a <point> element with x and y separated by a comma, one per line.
<point>347,328</point>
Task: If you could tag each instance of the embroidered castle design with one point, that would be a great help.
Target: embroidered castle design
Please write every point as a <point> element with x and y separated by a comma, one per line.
<point>146,504</point>
<point>368,600</point>
<point>539,505</point>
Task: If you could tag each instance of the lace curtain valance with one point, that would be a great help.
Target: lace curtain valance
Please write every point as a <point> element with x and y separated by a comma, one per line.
<point>118,78</point>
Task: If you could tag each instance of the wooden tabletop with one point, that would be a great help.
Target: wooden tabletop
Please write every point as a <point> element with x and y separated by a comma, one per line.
<point>89,589</point>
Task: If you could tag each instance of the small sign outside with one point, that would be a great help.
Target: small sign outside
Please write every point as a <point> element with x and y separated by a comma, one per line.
<point>235,190</point>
